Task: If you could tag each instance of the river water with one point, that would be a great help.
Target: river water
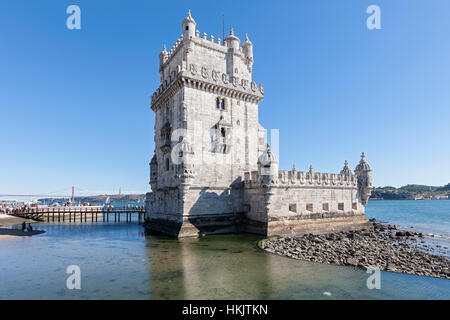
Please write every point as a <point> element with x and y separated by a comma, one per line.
<point>119,261</point>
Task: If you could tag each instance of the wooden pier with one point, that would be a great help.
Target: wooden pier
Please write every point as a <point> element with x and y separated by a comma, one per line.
<point>80,214</point>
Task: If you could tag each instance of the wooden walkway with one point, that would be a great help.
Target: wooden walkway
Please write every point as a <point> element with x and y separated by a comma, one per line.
<point>80,214</point>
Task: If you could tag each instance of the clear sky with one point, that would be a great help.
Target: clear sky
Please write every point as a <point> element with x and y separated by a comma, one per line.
<point>74,104</point>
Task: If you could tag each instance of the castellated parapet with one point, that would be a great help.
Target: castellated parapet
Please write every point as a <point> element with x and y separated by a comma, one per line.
<point>212,171</point>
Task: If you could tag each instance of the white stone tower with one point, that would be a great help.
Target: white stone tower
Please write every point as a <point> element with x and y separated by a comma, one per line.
<point>207,132</point>
<point>212,171</point>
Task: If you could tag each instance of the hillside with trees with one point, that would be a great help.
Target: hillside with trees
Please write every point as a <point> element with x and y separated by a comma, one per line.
<point>411,192</point>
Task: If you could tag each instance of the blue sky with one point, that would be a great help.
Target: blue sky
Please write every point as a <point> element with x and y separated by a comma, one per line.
<point>74,104</point>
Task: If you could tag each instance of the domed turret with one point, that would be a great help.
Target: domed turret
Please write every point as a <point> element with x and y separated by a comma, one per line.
<point>188,26</point>
<point>247,46</point>
<point>268,165</point>
<point>346,169</point>
<point>267,158</point>
<point>232,41</point>
<point>363,165</point>
<point>163,56</point>
<point>364,174</point>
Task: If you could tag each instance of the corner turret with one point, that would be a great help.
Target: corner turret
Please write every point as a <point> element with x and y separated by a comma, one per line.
<point>364,173</point>
<point>188,26</point>
<point>268,167</point>
<point>232,41</point>
<point>247,47</point>
<point>346,170</point>
<point>163,56</point>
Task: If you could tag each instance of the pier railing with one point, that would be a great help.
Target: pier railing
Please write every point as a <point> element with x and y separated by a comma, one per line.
<point>73,214</point>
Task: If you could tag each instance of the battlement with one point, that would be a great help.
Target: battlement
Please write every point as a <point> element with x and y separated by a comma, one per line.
<point>231,44</point>
<point>168,55</point>
<point>303,179</point>
<point>218,45</point>
<point>223,65</point>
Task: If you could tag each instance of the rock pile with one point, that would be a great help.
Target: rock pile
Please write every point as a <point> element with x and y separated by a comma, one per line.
<point>381,246</point>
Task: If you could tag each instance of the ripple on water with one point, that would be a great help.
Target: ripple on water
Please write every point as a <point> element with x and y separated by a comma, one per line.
<point>216,267</point>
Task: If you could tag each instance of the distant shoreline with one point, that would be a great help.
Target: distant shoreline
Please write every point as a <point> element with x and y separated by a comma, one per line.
<point>412,192</point>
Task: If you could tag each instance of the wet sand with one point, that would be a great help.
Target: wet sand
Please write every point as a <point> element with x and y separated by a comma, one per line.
<point>7,221</point>
<point>8,233</point>
<point>7,237</point>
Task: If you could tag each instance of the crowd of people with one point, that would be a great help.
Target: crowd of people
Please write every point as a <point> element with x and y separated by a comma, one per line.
<point>11,208</point>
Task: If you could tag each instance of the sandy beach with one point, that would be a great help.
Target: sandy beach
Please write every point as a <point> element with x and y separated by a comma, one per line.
<point>4,237</point>
<point>8,233</point>
<point>6,220</point>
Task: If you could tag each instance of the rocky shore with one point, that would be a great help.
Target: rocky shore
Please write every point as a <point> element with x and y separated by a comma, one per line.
<point>381,246</point>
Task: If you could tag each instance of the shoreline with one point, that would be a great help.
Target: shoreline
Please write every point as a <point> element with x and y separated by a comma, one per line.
<point>4,237</point>
<point>6,232</point>
<point>8,221</point>
<point>384,247</point>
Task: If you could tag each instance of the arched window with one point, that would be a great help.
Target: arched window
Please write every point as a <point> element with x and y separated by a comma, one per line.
<point>222,106</point>
<point>218,103</point>
<point>222,132</point>
<point>167,164</point>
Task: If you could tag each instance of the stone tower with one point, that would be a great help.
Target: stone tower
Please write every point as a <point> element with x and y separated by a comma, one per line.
<point>206,132</point>
<point>212,171</point>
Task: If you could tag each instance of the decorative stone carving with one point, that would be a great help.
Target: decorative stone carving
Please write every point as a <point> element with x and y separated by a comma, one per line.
<point>245,84</point>
<point>215,75</point>
<point>205,72</point>
<point>235,81</point>
<point>193,69</point>
<point>225,78</point>
<point>221,140</point>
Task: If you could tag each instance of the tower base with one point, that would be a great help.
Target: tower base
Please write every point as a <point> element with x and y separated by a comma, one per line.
<point>195,226</point>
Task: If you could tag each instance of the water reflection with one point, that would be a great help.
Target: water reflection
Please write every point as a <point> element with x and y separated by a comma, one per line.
<point>119,261</point>
<point>212,267</point>
<point>232,267</point>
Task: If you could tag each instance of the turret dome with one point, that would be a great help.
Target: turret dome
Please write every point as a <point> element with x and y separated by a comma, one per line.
<point>267,157</point>
<point>232,41</point>
<point>346,170</point>
<point>189,18</point>
<point>247,42</point>
<point>188,25</point>
<point>363,165</point>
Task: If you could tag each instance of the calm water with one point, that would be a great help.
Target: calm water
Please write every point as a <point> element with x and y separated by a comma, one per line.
<point>430,216</point>
<point>118,261</point>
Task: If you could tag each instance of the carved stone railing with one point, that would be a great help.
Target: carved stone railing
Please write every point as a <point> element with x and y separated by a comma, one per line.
<point>299,178</point>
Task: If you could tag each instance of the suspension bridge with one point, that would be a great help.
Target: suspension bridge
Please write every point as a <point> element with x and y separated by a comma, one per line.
<point>58,194</point>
